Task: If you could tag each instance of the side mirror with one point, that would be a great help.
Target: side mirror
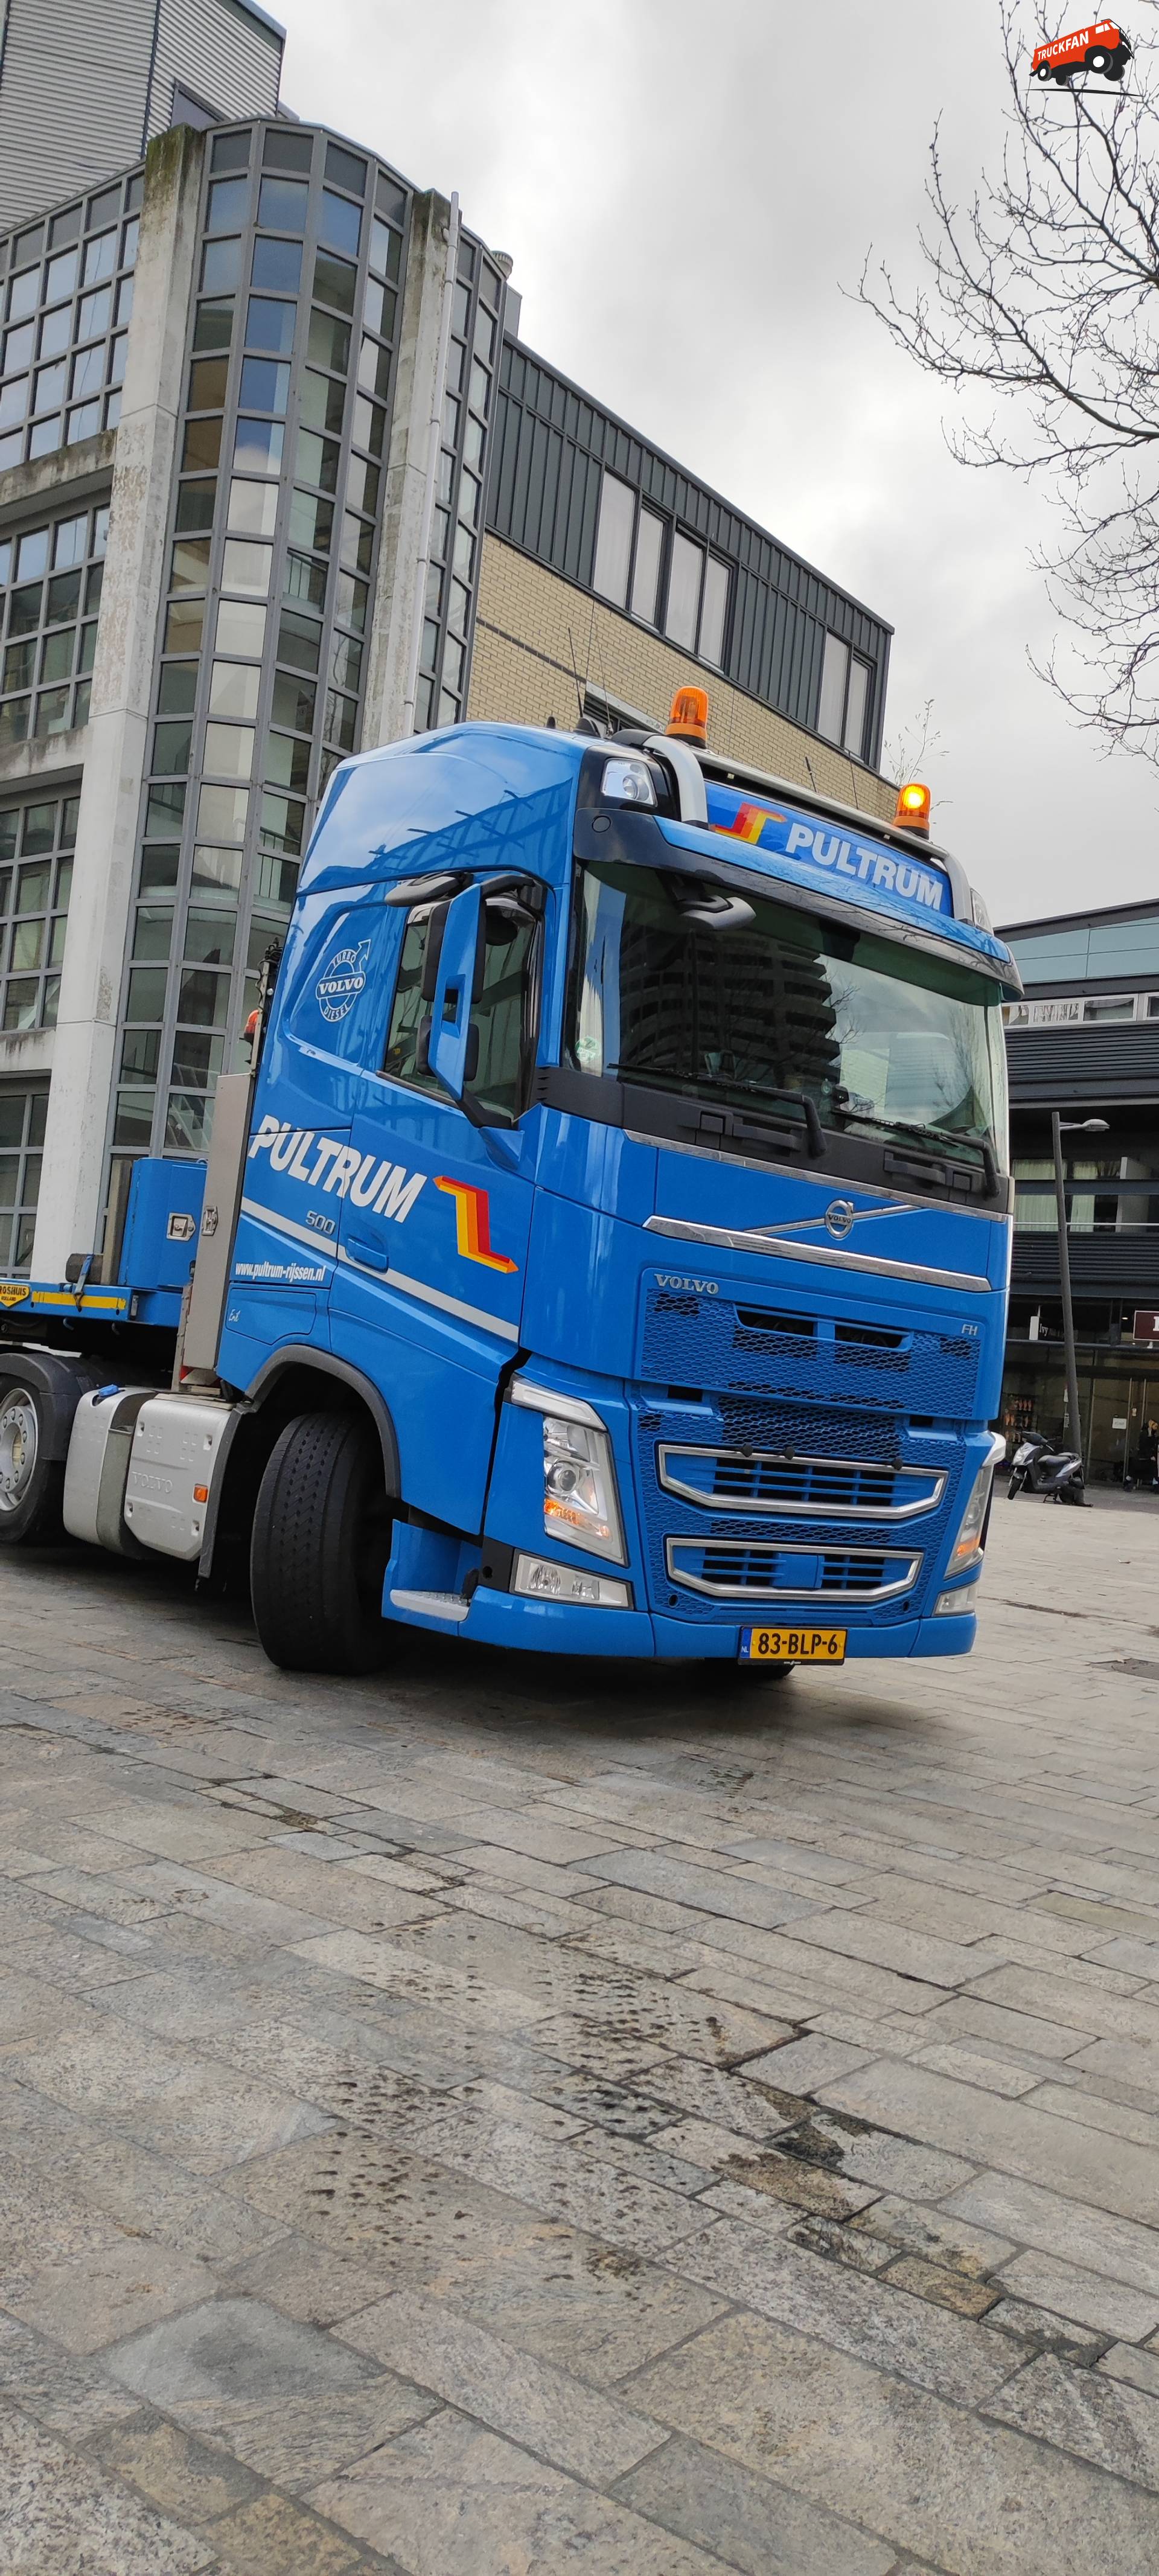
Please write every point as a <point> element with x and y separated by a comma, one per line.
<point>449,1047</point>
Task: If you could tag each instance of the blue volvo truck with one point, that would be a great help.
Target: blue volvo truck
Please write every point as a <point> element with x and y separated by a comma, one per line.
<point>606,1251</point>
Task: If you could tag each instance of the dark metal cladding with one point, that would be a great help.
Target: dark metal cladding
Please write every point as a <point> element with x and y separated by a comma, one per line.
<point>550,446</point>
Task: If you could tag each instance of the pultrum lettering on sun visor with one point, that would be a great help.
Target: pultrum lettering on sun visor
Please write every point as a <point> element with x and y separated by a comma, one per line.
<point>828,848</point>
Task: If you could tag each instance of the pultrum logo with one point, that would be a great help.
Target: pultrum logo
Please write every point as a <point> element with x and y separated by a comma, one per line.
<point>341,981</point>
<point>1102,48</point>
<point>750,820</point>
<point>473,1224</point>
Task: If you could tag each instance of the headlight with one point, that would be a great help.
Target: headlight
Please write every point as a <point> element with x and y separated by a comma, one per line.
<point>544,1580</point>
<point>968,1543</point>
<point>579,1488</point>
<point>959,1604</point>
<point>580,1502</point>
<point>629,781</point>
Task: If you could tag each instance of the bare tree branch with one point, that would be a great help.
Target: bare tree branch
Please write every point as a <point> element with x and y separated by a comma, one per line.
<point>1041,311</point>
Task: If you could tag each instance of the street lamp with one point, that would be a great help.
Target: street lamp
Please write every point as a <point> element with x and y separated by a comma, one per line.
<point>1058,1128</point>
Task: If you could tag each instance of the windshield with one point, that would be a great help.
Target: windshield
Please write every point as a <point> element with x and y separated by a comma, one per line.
<point>877,1035</point>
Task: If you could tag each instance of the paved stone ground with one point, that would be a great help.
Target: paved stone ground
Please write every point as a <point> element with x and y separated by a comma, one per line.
<point>500,2120</point>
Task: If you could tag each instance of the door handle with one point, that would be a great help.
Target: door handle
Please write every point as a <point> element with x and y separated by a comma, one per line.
<point>372,1256</point>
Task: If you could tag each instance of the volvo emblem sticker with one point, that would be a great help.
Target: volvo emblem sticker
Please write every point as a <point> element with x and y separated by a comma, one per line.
<point>839,1217</point>
<point>341,981</point>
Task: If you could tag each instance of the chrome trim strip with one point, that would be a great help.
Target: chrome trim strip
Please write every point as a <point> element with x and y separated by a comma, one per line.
<point>770,1592</point>
<point>758,1506</point>
<point>388,1277</point>
<point>681,1231</point>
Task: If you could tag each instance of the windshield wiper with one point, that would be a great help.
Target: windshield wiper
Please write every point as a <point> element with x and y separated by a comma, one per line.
<point>949,1135</point>
<point>693,1087</point>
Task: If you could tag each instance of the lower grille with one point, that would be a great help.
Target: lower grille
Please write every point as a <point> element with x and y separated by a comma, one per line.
<point>733,1480</point>
<point>740,1570</point>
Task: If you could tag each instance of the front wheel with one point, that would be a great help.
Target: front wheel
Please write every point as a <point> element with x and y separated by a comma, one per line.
<point>321,1538</point>
<point>31,1484</point>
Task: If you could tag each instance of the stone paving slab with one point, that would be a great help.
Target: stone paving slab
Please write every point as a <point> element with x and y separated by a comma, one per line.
<point>474,2120</point>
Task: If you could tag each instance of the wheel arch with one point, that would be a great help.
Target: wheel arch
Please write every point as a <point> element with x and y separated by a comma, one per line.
<point>297,1378</point>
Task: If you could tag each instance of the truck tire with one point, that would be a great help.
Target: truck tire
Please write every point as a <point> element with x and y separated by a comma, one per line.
<point>31,1484</point>
<point>321,1538</point>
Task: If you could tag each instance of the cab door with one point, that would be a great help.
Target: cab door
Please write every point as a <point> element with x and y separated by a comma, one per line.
<point>436,1215</point>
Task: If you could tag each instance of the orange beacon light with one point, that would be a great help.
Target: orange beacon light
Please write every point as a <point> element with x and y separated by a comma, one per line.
<point>912,811</point>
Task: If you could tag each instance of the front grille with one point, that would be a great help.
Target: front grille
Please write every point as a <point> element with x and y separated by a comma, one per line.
<point>693,1337</point>
<point>739,1570</point>
<point>734,1480</point>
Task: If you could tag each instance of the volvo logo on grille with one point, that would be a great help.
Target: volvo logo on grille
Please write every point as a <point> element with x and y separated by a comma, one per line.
<point>839,1216</point>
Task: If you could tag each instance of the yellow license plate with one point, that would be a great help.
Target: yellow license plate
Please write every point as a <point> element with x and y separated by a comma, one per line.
<point>793,1646</point>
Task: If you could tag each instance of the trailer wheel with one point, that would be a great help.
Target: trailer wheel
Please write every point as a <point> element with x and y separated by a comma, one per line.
<point>31,1485</point>
<point>321,1538</point>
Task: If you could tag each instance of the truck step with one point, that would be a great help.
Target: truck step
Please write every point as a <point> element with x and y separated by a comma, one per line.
<point>451,1606</point>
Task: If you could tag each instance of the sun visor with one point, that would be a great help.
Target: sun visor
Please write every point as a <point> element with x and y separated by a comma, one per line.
<point>812,851</point>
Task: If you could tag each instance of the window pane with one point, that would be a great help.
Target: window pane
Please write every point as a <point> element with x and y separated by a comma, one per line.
<point>183,626</point>
<point>229,751</point>
<point>334,282</point>
<point>241,628</point>
<point>257,447</point>
<point>646,575</point>
<point>712,610</point>
<point>270,326</point>
<point>277,266</point>
<point>499,1013</point>
<point>281,205</point>
<point>684,572</point>
<point>341,223</point>
<point>195,506</point>
<point>265,384</point>
<point>246,567</point>
<point>857,708</point>
<point>221,813</point>
<point>233,689</point>
<point>227,207</point>
<point>329,344</point>
<point>253,508</point>
<point>409,1018</point>
<point>323,402</point>
<point>178,689</point>
<point>614,540</point>
<point>834,672</point>
<point>213,326</point>
<point>293,703</point>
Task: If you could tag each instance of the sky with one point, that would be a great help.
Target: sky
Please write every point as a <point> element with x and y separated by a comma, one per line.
<point>688,194</point>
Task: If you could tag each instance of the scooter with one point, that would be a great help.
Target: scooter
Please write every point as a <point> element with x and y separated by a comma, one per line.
<point>1037,1468</point>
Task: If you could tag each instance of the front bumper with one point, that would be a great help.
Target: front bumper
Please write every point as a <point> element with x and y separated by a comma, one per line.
<point>562,1628</point>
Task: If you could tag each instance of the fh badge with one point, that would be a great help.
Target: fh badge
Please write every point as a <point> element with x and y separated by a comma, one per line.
<point>473,1224</point>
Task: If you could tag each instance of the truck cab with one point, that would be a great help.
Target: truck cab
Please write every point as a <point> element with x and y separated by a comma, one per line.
<point>633,1132</point>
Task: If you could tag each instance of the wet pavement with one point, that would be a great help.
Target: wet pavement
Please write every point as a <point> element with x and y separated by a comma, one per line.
<point>500,2119</point>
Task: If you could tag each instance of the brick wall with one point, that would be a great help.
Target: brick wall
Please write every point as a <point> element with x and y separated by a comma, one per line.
<point>521,673</point>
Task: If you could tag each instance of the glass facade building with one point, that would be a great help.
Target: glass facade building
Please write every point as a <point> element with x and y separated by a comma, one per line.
<point>261,421</point>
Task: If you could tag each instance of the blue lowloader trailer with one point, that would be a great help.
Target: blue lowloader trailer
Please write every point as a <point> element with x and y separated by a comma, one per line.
<point>606,1252</point>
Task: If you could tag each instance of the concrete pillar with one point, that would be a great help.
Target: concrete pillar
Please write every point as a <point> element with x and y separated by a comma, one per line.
<point>116,745</point>
<point>396,591</point>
